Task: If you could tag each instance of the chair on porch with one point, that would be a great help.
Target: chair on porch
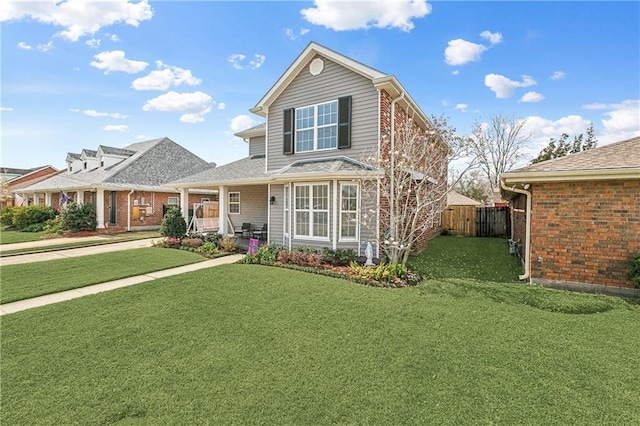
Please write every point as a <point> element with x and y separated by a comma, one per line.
<point>244,230</point>
<point>261,233</point>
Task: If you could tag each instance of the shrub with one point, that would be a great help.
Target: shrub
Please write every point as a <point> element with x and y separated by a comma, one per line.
<point>209,249</point>
<point>54,226</point>
<point>228,243</point>
<point>79,217</point>
<point>192,242</point>
<point>172,242</point>
<point>634,272</point>
<point>34,227</point>
<point>6,216</point>
<point>339,257</point>
<point>173,224</point>
<point>392,273</point>
<point>301,258</point>
<point>29,215</point>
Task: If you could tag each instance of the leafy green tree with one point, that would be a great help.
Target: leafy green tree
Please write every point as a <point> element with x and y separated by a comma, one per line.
<point>173,224</point>
<point>562,147</point>
<point>79,217</point>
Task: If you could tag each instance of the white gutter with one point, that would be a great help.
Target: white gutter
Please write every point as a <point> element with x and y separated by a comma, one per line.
<point>129,210</point>
<point>527,238</point>
<point>391,158</point>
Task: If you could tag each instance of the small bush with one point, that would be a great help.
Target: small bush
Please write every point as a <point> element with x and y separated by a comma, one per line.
<point>634,272</point>
<point>29,215</point>
<point>173,242</point>
<point>192,242</point>
<point>173,224</point>
<point>392,273</point>
<point>6,216</point>
<point>54,226</point>
<point>300,258</point>
<point>339,257</point>
<point>79,217</point>
<point>35,227</point>
<point>209,249</point>
<point>228,244</point>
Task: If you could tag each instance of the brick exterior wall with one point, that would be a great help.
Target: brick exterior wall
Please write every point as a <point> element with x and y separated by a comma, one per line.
<point>385,135</point>
<point>584,232</point>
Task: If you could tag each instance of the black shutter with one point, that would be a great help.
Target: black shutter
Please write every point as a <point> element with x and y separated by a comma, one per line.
<point>344,122</point>
<point>289,127</point>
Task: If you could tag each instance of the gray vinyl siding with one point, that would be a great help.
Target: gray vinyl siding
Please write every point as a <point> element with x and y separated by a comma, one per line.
<point>257,146</point>
<point>254,202</point>
<point>276,221</point>
<point>335,81</point>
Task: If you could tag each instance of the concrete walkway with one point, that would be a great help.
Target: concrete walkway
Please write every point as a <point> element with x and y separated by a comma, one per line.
<point>76,252</point>
<point>50,242</point>
<point>22,305</point>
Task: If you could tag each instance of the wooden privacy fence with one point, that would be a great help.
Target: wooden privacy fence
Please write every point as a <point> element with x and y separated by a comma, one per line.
<point>472,221</point>
<point>460,220</point>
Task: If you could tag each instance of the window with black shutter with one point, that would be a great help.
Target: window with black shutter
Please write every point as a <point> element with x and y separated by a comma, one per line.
<point>344,122</point>
<point>287,147</point>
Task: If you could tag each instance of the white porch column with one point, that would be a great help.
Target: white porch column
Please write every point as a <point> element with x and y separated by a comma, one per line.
<point>47,199</point>
<point>100,208</point>
<point>223,192</point>
<point>79,197</point>
<point>35,199</point>
<point>184,203</point>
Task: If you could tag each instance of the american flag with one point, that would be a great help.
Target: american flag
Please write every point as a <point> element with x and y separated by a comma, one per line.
<point>19,199</point>
<point>64,198</point>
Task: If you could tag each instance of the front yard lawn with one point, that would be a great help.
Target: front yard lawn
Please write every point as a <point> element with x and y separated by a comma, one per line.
<point>35,279</point>
<point>10,237</point>
<point>248,344</point>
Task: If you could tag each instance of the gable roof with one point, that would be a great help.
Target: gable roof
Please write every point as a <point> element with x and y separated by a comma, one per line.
<point>152,164</point>
<point>380,80</point>
<point>619,160</point>
<point>109,150</point>
<point>456,199</point>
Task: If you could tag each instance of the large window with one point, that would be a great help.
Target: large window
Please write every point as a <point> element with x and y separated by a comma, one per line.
<point>317,127</point>
<point>234,202</point>
<point>312,211</point>
<point>348,211</point>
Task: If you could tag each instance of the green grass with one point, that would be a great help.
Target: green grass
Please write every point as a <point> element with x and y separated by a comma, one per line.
<point>118,238</point>
<point>11,237</point>
<point>35,279</point>
<point>248,344</point>
<point>484,259</point>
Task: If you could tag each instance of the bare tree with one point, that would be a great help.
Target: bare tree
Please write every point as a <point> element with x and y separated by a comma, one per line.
<point>472,184</point>
<point>498,146</point>
<point>411,176</point>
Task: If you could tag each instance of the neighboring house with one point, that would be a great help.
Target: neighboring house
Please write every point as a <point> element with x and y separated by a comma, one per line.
<point>124,184</point>
<point>302,177</point>
<point>13,180</point>
<point>456,199</point>
<point>577,218</point>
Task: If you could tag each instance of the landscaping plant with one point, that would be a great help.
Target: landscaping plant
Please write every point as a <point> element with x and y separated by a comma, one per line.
<point>634,272</point>
<point>22,217</point>
<point>79,217</point>
<point>173,224</point>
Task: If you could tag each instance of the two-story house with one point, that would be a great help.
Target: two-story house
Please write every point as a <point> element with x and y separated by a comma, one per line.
<point>123,184</point>
<point>303,177</point>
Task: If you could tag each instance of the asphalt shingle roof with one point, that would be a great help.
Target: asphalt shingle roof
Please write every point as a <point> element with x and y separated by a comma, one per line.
<point>246,169</point>
<point>115,151</point>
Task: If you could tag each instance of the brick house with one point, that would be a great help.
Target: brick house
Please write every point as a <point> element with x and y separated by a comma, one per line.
<point>577,218</point>
<point>14,180</point>
<point>303,175</point>
<point>124,184</point>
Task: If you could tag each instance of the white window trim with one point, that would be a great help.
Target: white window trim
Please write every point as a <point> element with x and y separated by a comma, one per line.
<point>169,203</point>
<point>311,211</point>
<point>315,127</point>
<point>233,202</point>
<point>357,212</point>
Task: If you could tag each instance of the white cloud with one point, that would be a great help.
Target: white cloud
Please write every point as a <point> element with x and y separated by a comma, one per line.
<point>45,47</point>
<point>77,17</point>
<point>558,75</point>
<point>6,109</point>
<point>623,117</point>
<point>455,72</point>
<point>238,59</point>
<point>25,46</point>
<point>93,43</point>
<point>595,106</point>
<point>542,129</point>
<point>165,77</point>
<point>356,15</point>
<point>241,122</point>
<point>293,35</point>
<point>445,102</point>
<point>460,52</point>
<point>222,106</point>
<point>115,61</point>
<point>493,38</point>
<point>114,38</point>
<point>531,97</point>
<point>93,113</point>
<point>504,87</point>
<point>116,128</point>
<point>462,107</point>
<point>193,106</point>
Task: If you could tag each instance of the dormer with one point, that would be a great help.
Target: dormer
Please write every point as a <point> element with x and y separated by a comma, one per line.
<point>74,162</point>
<point>109,156</point>
<point>89,159</point>
<point>256,138</point>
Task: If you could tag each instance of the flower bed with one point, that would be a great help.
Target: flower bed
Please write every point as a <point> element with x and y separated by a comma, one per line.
<point>207,245</point>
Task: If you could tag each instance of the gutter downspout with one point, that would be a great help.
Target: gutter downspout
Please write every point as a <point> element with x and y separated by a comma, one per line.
<point>392,207</point>
<point>527,239</point>
<point>129,210</point>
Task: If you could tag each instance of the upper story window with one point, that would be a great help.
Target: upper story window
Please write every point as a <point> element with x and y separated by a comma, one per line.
<point>318,127</point>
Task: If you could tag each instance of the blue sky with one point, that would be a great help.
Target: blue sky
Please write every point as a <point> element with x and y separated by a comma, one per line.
<point>77,74</point>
